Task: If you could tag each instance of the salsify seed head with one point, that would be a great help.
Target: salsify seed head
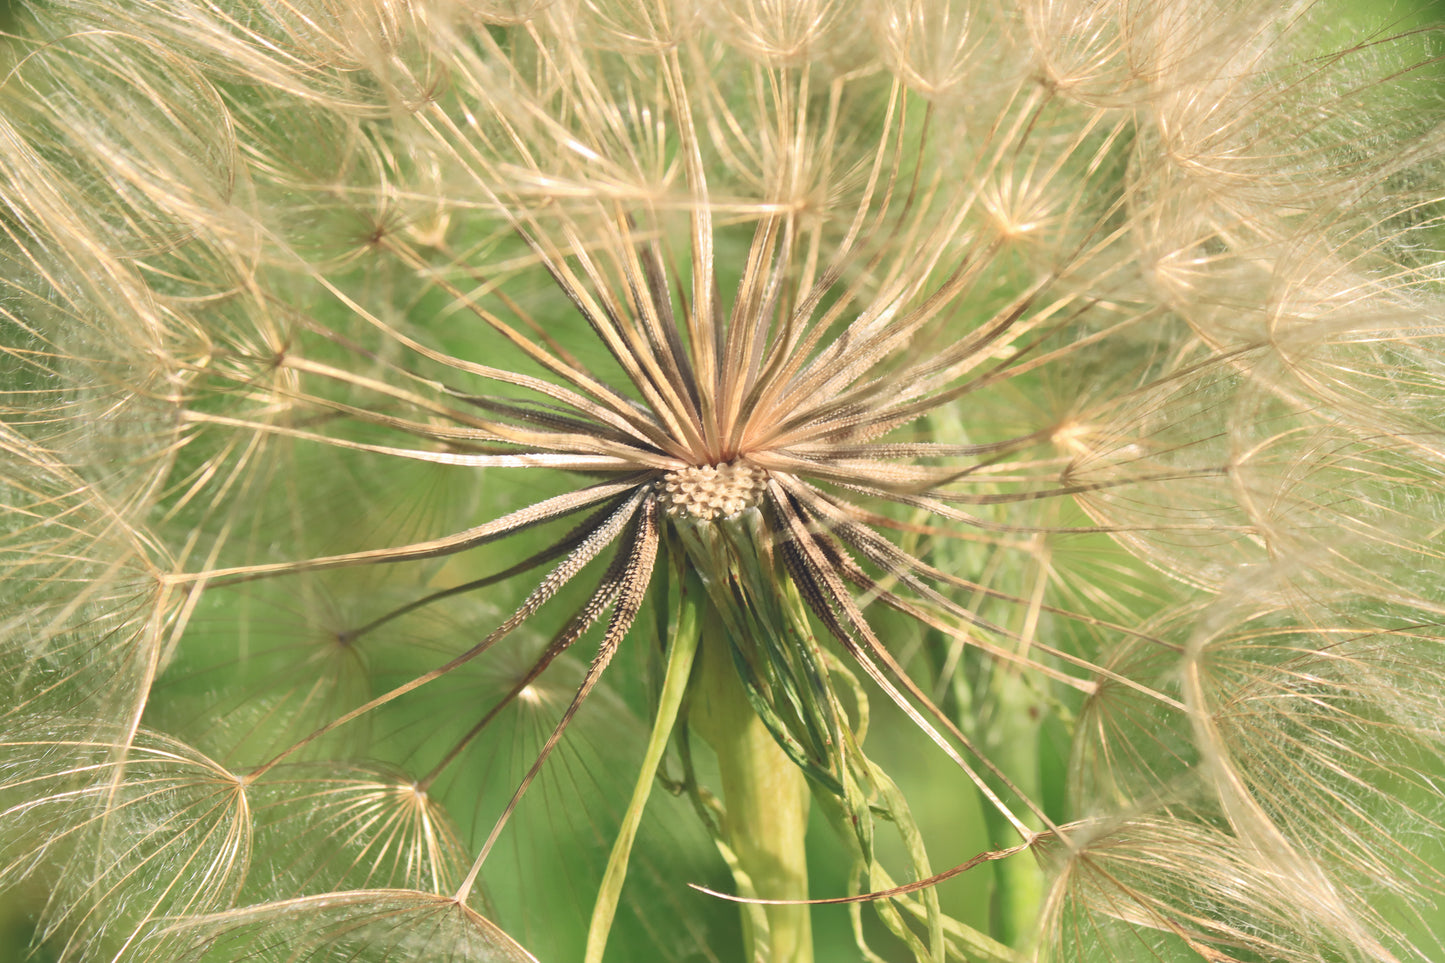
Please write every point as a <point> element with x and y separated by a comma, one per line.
<point>389,391</point>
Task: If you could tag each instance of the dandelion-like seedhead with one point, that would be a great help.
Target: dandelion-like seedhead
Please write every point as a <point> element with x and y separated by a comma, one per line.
<point>429,426</point>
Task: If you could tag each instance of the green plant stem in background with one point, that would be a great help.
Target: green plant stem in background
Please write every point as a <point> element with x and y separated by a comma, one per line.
<point>1011,733</point>
<point>766,799</point>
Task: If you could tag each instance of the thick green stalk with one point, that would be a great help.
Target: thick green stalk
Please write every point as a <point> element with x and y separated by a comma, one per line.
<point>1013,739</point>
<point>766,799</point>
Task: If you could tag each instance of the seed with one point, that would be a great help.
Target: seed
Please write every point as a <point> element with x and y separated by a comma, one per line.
<point>708,491</point>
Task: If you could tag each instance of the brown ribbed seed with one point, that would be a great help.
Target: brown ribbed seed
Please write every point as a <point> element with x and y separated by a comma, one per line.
<point>710,491</point>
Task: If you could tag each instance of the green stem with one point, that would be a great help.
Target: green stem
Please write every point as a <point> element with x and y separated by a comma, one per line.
<point>1013,739</point>
<point>766,799</point>
<point>682,648</point>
